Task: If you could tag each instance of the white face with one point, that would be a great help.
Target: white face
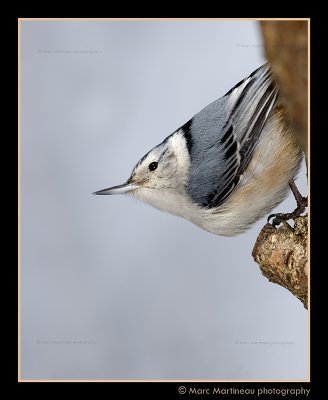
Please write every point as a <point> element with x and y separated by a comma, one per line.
<point>165,166</point>
<point>156,169</point>
<point>161,175</point>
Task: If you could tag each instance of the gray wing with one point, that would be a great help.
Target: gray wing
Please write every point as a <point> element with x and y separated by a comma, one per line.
<point>222,137</point>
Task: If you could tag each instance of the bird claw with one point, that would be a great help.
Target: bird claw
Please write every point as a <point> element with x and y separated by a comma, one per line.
<point>302,203</point>
<point>278,218</point>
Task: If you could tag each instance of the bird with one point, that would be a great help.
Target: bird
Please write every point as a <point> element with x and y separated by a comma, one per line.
<point>228,166</point>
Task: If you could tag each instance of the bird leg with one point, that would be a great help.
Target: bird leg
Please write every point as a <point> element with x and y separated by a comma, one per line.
<point>302,203</point>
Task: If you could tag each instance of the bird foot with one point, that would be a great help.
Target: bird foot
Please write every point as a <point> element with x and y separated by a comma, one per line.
<point>302,203</point>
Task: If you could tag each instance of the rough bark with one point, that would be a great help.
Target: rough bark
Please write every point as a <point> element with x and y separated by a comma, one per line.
<point>282,253</point>
<point>286,47</point>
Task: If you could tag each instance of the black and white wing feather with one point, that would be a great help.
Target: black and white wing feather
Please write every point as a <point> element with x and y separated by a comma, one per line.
<point>222,137</point>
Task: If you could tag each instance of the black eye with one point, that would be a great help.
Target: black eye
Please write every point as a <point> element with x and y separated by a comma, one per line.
<point>152,166</point>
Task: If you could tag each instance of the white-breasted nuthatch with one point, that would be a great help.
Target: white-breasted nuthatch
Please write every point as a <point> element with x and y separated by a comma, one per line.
<point>225,168</point>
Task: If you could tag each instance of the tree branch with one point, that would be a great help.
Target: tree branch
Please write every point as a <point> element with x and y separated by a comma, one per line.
<point>286,47</point>
<point>282,253</point>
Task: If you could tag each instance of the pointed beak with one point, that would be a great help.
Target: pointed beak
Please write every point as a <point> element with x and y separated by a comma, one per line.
<point>120,189</point>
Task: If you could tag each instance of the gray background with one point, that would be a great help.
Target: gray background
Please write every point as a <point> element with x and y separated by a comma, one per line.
<point>111,288</point>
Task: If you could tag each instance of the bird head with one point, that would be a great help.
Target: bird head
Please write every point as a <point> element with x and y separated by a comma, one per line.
<point>159,178</point>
